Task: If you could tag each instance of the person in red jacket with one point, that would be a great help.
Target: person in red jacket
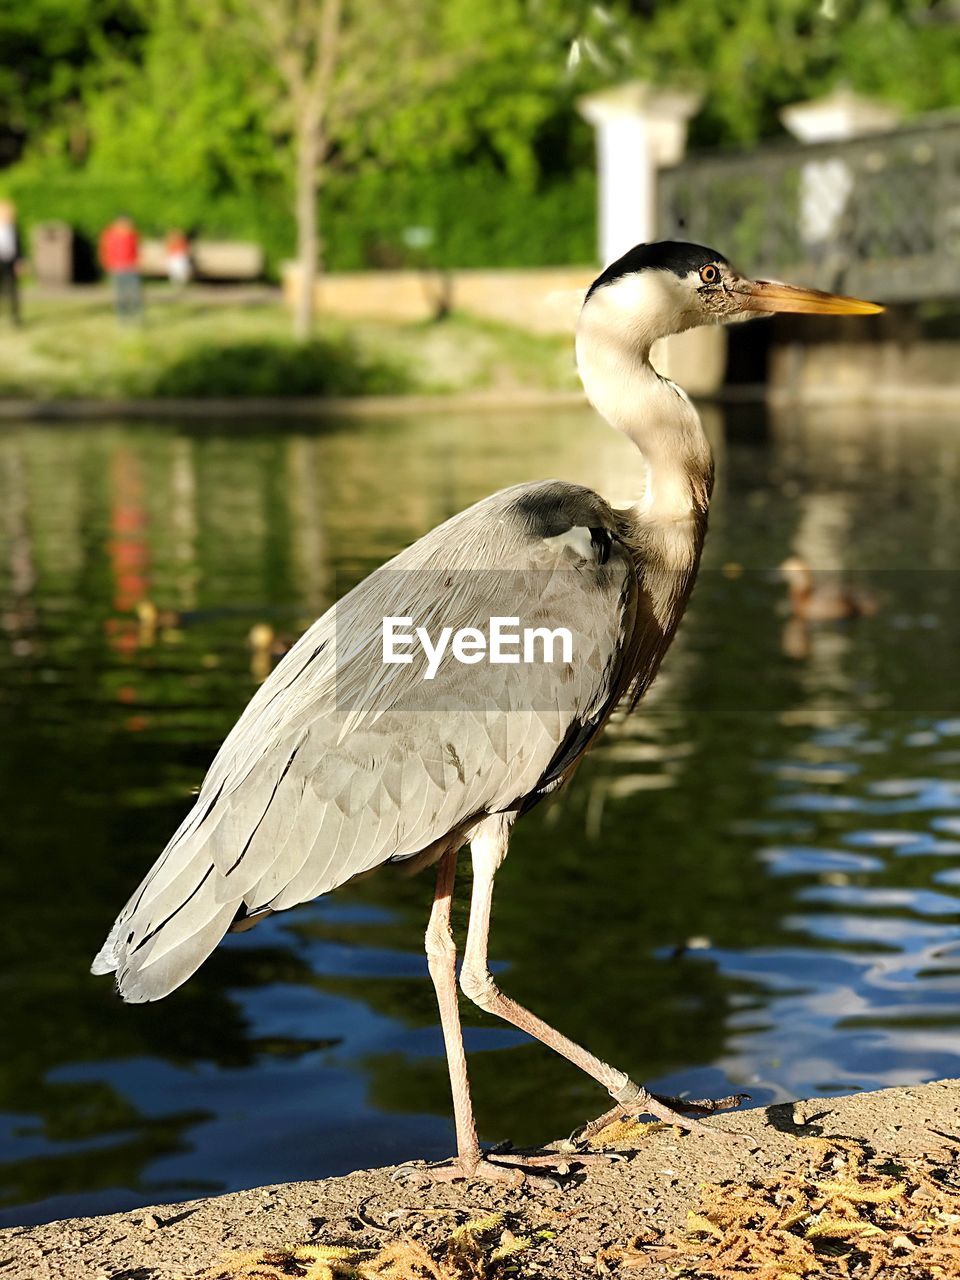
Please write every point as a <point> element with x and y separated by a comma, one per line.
<point>119,252</point>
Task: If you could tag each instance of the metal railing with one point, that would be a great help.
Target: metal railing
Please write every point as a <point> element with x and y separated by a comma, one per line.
<point>876,216</point>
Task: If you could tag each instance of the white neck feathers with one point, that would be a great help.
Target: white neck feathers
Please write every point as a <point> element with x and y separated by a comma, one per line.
<point>613,357</point>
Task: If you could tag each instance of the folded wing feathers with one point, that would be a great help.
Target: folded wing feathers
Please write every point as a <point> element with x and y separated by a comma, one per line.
<point>336,767</point>
<point>300,887</point>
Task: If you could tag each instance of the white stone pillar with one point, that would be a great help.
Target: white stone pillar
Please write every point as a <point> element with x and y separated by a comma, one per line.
<point>639,130</point>
<point>840,114</point>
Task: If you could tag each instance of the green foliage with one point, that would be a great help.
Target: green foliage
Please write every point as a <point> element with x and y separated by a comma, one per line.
<point>510,100</point>
<point>165,108</point>
<point>278,367</point>
<point>479,217</point>
<point>52,52</point>
<point>186,132</point>
<point>752,57</point>
<point>189,107</point>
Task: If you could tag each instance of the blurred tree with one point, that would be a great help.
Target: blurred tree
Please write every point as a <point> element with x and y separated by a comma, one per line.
<point>752,57</point>
<point>215,101</point>
<point>188,111</point>
<point>511,101</point>
<point>331,67</point>
<point>51,52</point>
<point>198,109</point>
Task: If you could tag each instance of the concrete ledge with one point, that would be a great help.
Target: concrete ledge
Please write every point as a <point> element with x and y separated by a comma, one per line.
<point>250,407</point>
<point>605,1205</point>
<point>875,395</point>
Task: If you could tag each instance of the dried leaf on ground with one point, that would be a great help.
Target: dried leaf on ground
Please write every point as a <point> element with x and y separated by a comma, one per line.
<point>836,1210</point>
<point>480,1249</point>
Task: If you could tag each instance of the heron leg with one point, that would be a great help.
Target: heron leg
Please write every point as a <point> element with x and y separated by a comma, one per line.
<point>488,848</point>
<point>442,963</point>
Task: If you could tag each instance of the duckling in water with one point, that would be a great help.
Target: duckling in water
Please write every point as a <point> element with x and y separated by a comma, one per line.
<point>154,622</point>
<point>827,602</point>
<point>264,645</point>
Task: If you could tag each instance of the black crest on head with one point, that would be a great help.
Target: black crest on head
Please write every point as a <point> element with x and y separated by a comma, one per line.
<point>662,255</point>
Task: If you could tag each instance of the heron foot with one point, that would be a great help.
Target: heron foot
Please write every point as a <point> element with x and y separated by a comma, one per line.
<point>669,1110</point>
<point>513,1168</point>
<point>458,1170</point>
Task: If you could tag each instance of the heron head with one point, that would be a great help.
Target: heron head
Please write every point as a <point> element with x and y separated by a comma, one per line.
<point>669,286</point>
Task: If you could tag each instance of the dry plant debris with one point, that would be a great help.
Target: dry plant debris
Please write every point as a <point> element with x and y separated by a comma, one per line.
<point>837,1210</point>
<point>625,1133</point>
<point>482,1249</point>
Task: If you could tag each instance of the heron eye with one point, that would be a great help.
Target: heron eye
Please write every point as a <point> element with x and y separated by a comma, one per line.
<point>709,274</point>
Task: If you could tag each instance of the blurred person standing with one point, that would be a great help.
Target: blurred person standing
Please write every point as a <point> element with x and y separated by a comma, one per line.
<point>11,259</point>
<point>119,252</point>
<point>179,267</point>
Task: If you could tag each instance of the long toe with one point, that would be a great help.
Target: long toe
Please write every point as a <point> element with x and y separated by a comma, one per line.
<point>669,1110</point>
<point>703,1106</point>
<point>512,1168</point>
<point>483,1170</point>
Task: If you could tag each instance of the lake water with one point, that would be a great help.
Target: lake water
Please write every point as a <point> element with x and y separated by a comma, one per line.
<point>753,884</point>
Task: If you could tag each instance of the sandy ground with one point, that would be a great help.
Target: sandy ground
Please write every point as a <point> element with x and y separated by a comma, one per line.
<point>647,1192</point>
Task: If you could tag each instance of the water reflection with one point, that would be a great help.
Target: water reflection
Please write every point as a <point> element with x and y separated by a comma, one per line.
<point>753,884</point>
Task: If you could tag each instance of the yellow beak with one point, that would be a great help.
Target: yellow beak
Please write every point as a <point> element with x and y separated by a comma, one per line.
<point>770,295</point>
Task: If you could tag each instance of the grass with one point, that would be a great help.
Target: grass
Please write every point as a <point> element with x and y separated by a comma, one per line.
<point>74,348</point>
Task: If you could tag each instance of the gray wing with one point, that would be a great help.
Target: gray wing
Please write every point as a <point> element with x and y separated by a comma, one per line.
<point>341,762</point>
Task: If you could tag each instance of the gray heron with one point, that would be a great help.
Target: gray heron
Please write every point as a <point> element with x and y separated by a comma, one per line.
<point>341,762</point>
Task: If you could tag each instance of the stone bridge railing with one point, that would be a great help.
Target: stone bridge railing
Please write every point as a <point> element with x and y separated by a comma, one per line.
<point>876,216</point>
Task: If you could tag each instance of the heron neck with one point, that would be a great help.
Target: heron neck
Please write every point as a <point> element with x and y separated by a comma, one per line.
<point>623,386</point>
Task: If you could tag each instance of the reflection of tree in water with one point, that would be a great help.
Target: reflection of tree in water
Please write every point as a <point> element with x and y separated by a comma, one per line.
<point>113,1164</point>
<point>56,1016</point>
<point>102,744</point>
